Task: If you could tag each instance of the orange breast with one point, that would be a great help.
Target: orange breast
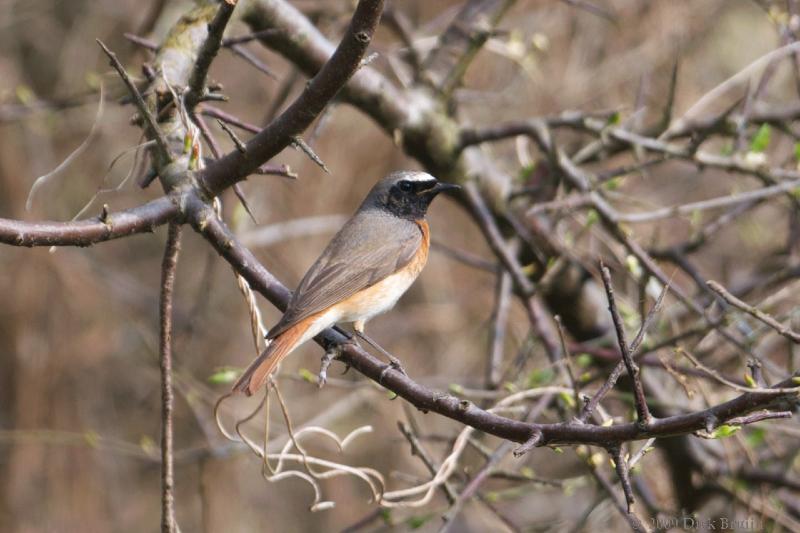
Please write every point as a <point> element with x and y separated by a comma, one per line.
<point>382,296</point>
<point>418,262</point>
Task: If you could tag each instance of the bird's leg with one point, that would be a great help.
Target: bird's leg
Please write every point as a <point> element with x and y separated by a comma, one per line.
<point>351,337</point>
<point>334,352</point>
<point>394,362</point>
<point>330,354</point>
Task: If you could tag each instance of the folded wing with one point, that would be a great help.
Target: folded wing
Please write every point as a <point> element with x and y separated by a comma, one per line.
<point>365,251</point>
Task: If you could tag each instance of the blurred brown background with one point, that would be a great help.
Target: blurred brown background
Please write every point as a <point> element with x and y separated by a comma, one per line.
<point>79,390</point>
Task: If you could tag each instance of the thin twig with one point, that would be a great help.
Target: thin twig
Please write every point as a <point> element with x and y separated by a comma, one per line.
<point>168,267</point>
<point>418,450</point>
<point>592,404</point>
<point>634,521</point>
<point>642,412</point>
<point>498,331</point>
<point>236,141</point>
<point>754,312</point>
<point>141,41</point>
<point>207,53</point>
<point>251,58</point>
<point>216,152</point>
<point>243,39</point>
<point>646,447</point>
<point>303,146</point>
<point>713,203</point>
<point>621,466</point>
<point>567,366</point>
<point>144,111</point>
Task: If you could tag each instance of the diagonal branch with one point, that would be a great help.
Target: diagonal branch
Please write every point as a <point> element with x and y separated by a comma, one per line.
<point>260,279</point>
<point>344,62</point>
<point>642,412</point>
<point>461,42</point>
<point>147,115</point>
<point>754,312</point>
<point>207,53</point>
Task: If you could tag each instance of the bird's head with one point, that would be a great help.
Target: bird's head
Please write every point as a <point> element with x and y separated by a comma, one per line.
<point>406,194</point>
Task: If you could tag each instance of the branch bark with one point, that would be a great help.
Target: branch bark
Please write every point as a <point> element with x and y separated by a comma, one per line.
<point>141,219</point>
<point>345,61</point>
<point>168,267</point>
<point>260,279</point>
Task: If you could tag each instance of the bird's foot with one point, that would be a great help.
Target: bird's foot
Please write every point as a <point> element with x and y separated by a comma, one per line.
<point>327,359</point>
<point>334,352</point>
<point>394,364</point>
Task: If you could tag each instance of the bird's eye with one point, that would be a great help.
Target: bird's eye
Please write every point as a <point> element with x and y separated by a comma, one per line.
<point>405,186</point>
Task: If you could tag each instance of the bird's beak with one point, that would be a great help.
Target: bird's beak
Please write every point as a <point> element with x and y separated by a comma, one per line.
<point>442,186</point>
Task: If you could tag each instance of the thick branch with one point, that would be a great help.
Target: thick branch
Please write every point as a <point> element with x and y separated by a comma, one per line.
<point>141,219</point>
<point>289,32</point>
<point>244,262</point>
<point>344,62</point>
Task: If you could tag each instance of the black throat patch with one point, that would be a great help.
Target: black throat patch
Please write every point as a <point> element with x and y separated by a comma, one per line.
<point>410,199</point>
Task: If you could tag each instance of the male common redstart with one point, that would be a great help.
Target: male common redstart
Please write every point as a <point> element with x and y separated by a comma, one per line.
<point>367,266</point>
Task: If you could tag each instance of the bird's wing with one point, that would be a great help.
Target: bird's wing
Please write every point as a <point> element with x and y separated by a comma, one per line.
<point>368,248</point>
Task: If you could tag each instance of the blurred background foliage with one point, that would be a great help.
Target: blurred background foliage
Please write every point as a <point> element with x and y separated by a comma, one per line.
<point>79,389</point>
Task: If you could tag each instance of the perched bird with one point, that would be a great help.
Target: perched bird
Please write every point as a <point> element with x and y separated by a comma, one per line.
<point>367,266</point>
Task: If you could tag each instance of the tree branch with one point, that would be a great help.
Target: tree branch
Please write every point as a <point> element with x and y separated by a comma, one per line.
<point>344,62</point>
<point>207,53</point>
<point>461,41</point>
<point>754,312</point>
<point>141,219</point>
<point>642,412</point>
<point>245,263</point>
<point>171,251</point>
<point>146,113</point>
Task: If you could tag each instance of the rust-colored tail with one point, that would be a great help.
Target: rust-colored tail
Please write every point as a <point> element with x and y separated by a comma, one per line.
<point>259,370</point>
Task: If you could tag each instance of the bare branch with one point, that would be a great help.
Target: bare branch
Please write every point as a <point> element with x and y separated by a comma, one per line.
<point>498,332</point>
<point>642,411</point>
<point>754,312</point>
<point>461,41</point>
<point>144,218</point>
<point>244,53</point>
<point>219,236</point>
<point>424,456</point>
<point>714,203</point>
<point>244,39</point>
<point>171,251</point>
<point>207,52</point>
<point>144,111</point>
<point>300,114</point>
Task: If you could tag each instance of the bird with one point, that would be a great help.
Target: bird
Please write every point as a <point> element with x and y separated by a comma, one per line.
<point>362,272</point>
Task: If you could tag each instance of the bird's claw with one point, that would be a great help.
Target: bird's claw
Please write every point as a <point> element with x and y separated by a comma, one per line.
<point>394,364</point>
<point>352,340</point>
<point>334,352</point>
<point>327,359</point>
<point>397,365</point>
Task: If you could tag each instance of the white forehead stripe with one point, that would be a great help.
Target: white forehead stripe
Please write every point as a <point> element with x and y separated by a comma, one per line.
<point>419,176</point>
